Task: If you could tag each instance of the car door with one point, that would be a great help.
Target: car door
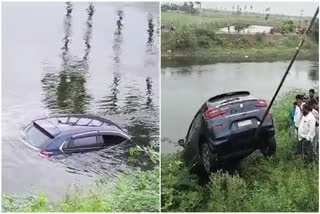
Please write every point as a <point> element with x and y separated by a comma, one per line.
<point>192,140</point>
<point>83,143</point>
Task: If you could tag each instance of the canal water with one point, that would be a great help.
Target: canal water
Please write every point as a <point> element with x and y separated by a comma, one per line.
<point>97,58</point>
<point>184,89</point>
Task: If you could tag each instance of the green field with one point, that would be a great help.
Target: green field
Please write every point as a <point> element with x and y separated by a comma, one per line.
<point>135,191</point>
<point>198,36</point>
<point>281,183</point>
<point>217,21</point>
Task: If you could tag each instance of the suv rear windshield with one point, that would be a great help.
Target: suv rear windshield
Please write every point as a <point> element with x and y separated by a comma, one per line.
<point>36,137</point>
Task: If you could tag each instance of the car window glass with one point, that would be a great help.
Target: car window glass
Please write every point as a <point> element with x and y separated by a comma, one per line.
<point>84,142</point>
<point>73,119</point>
<point>36,137</point>
<point>53,120</point>
<point>63,119</point>
<point>95,123</point>
<point>109,140</point>
<point>83,121</point>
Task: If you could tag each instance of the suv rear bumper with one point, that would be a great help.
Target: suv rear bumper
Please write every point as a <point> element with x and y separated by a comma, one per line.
<point>239,145</point>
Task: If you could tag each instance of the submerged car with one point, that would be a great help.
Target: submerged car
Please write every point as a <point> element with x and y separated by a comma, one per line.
<point>224,131</point>
<point>65,134</point>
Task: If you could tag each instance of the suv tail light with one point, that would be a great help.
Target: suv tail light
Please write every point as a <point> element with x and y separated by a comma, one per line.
<point>214,112</point>
<point>261,103</point>
<point>45,153</point>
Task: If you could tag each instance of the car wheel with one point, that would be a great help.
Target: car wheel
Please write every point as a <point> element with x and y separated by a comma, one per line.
<point>270,147</point>
<point>209,159</point>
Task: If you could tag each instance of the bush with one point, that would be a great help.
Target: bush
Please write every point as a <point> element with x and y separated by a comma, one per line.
<point>240,26</point>
<point>203,41</point>
<point>259,37</point>
<point>179,189</point>
<point>29,203</point>
<point>227,193</point>
<point>288,27</point>
<point>184,38</point>
<point>205,31</point>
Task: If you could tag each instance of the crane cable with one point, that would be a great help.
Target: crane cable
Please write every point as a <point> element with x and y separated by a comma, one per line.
<point>287,71</point>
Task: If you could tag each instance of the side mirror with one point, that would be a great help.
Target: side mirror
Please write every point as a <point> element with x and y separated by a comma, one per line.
<point>181,142</point>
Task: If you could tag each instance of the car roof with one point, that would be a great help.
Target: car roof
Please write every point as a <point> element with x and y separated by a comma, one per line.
<point>72,124</point>
<point>229,97</point>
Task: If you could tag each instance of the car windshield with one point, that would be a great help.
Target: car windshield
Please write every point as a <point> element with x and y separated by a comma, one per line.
<point>36,137</point>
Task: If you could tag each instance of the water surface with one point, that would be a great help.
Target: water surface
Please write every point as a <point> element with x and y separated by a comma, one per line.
<point>98,58</point>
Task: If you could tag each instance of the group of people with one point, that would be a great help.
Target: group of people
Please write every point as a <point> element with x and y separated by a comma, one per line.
<point>304,121</point>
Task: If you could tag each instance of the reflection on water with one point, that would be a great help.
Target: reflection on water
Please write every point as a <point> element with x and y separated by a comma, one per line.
<point>150,34</point>
<point>149,92</point>
<point>65,91</point>
<point>185,89</point>
<point>88,33</point>
<point>150,50</point>
<point>99,58</point>
<point>109,103</point>
<point>314,72</point>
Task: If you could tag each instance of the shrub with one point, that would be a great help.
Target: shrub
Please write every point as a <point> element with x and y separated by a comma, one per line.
<point>227,193</point>
<point>205,31</point>
<point>179,189</point>
<point>203,41</point>
<point>259,37</point>
<point>184,38</point>
<point>288,27</point>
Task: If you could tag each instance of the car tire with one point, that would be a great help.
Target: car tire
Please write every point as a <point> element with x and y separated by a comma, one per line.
<point>209,159</point>
<point>269,147</point>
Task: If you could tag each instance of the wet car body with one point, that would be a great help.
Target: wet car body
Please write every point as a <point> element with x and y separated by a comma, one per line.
<point>66,134</point>
<point>224,130</point>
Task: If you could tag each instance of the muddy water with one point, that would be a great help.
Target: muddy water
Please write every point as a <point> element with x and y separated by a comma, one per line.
<point>99,58</point>
<point>185,89</point>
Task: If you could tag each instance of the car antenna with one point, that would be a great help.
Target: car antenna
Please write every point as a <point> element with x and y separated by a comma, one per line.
<point>304,37</point>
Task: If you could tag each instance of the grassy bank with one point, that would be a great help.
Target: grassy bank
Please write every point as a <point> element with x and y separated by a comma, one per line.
<point>136,191</point>
<point>219,20</point>
<point>197,36</point>
<point>282,183</point>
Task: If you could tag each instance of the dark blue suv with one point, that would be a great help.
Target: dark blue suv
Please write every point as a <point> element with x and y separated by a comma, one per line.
<point>72,133</point>
<point>224,131</point>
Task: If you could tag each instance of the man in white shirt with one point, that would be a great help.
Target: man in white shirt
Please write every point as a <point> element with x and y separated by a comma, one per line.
<point>306,132</point>
<point>298,113</point>
<point>315,112</point>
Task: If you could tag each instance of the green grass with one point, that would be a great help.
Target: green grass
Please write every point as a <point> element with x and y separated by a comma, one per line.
<point>217,21</point>
<point>136,191</point>
<point>197,36</point>
<point>204,56</point>
<point>281,183</point>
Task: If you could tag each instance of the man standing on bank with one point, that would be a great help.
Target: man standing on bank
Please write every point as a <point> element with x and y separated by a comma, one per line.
<point>306,133</point>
